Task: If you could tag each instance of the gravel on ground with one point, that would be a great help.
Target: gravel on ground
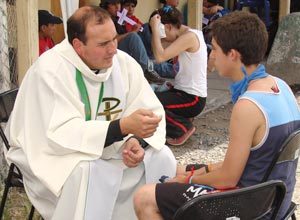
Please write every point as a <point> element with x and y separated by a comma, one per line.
<point>207,145</point>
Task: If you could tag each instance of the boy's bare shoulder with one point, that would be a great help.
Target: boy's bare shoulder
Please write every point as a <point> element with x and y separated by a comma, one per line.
<point>246,112</point>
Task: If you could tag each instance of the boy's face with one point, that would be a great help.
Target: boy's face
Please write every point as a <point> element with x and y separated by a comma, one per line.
<point>129,7</point>
<point>113,9</point>
<point>222,62</point>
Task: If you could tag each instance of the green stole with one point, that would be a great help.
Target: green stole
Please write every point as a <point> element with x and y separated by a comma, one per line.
<point>85,96</point>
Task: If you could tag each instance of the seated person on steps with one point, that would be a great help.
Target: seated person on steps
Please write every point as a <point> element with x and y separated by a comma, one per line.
<point>130,5</point>
<point>131,43</point>
<point>210,7</point>
<point>188,96</point>
<point>264,114</point>
<point>167,69</point>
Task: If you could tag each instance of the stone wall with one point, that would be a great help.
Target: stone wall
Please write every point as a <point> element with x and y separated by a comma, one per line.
<point>284,58</point>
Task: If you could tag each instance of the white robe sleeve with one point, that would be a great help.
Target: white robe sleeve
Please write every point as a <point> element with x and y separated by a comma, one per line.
<point>140,95</point>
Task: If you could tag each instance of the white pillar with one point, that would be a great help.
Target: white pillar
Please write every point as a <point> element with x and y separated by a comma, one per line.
<point>28,40</point>
<point>68,7</point>
<point>195,14</point>
<point>284,8</point>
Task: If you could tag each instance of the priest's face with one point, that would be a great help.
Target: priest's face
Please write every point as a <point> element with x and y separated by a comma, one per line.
<point>100,46</point>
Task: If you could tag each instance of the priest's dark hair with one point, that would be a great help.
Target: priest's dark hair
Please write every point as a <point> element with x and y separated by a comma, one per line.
<point>77,23</point>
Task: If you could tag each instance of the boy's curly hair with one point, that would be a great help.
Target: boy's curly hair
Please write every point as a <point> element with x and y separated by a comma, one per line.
<point>244,32</point>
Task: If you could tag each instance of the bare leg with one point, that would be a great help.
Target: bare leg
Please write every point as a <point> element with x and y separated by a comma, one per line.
<point>145,203</point>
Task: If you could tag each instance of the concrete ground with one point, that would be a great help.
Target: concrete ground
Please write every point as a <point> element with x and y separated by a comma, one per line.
<point>218,92</point>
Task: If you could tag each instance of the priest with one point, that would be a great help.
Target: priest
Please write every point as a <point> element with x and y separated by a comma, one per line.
<point>86,129</point>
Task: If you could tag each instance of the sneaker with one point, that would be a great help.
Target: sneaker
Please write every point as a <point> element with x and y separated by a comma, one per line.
<point>153,77</point>
<point>181,140</point>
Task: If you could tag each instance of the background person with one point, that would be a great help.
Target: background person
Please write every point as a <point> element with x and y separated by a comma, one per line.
<point>131,43</point>
<point>130,5</point>
<point>188,96</point>
<point>211,7</point>
<point>47,23</point>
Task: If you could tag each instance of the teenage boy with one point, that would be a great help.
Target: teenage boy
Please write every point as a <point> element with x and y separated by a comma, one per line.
<point>264,114</point>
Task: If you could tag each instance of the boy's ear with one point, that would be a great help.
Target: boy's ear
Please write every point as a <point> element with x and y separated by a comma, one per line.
<point>234,55</point>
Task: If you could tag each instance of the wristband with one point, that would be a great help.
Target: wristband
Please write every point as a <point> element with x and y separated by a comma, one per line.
<point>189,167</point>
<point>190,179</point>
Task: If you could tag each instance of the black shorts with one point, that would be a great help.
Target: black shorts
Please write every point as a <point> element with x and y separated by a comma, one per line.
<point>171,196</point>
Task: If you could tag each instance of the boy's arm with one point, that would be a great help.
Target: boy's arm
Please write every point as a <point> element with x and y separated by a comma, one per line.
<point>247,127</point>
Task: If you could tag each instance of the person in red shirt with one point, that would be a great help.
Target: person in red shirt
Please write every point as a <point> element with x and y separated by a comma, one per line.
<point>47,23</point>
<point>130,5</point>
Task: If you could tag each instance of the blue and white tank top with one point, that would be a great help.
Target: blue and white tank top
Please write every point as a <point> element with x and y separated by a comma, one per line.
<point>282,115</point>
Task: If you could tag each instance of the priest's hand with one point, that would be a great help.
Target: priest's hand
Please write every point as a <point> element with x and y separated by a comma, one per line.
<point>141,123</point>
<point>132,153</point>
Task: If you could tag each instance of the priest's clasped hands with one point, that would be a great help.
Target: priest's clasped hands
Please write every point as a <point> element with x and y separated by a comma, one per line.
<point>142,123</point>
<point>133,153</point>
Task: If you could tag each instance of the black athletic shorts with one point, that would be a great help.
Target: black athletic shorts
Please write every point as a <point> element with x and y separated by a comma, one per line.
<point>171,196</point>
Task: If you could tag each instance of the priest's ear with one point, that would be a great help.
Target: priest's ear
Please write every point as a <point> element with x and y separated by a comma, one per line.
<point>77,45</point>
